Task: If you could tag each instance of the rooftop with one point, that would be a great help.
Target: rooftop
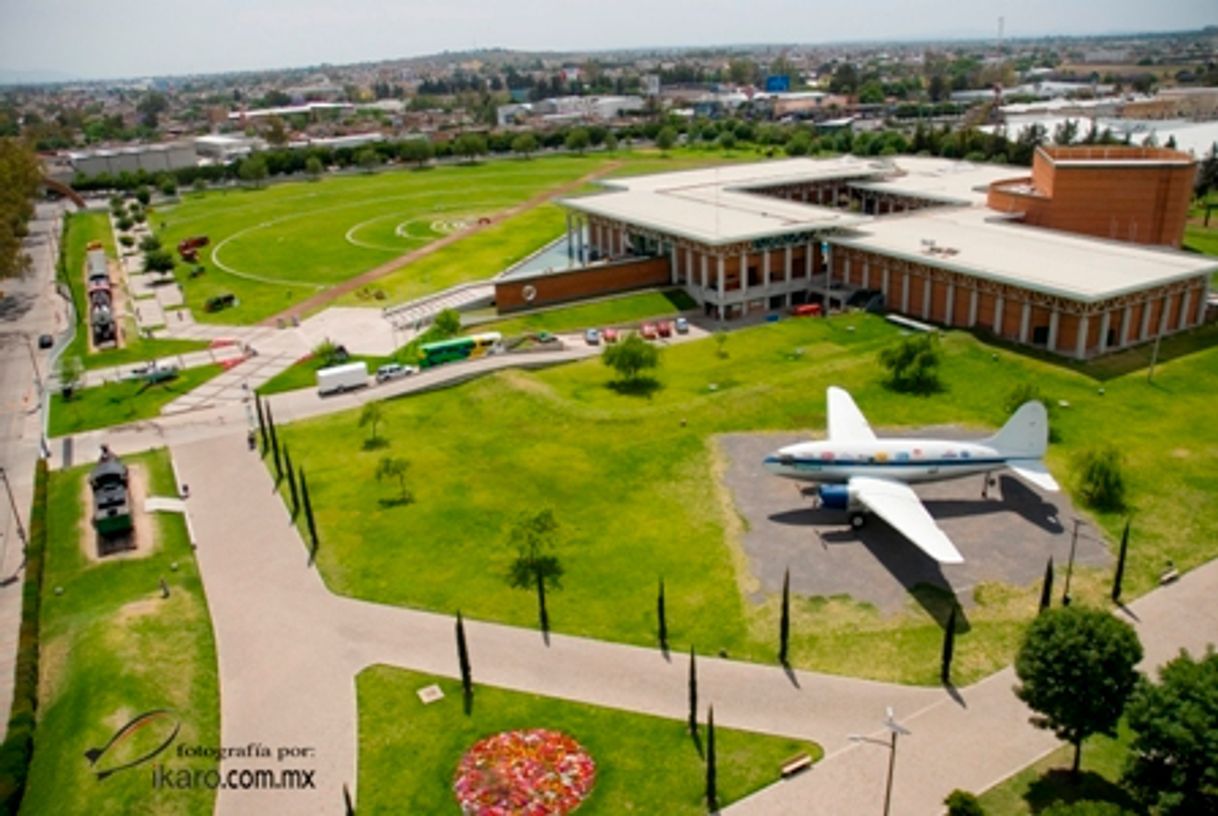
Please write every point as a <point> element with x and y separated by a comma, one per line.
<point>979,242</point>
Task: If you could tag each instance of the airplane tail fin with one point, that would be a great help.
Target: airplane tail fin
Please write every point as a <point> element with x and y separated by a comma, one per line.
<point>1026,434</point>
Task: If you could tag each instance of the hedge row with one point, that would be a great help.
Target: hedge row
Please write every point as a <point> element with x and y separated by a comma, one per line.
<point>18,745</point>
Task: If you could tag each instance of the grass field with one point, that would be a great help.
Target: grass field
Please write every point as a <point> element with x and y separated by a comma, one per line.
<point>1048,781</point>
<point>275,246</point>
<point>1197,236</point>
<point>121,402</point>
<point>81,228</point>
<point>644,764</point>
<point>113,648</point>
<point>600,313</point>
<point>633,482</point>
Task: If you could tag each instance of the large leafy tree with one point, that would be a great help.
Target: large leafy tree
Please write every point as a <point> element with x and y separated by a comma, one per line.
<point>19,177</point>
<point>631,356</point>
<point>1173,761</point>
<point>1077,668</point>
<point>535,537</point>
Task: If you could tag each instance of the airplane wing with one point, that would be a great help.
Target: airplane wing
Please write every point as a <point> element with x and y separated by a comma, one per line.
<point>898,505</point>
<point>846,421</point>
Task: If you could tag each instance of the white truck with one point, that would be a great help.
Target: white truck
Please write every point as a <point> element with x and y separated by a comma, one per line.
<point>346,377</point>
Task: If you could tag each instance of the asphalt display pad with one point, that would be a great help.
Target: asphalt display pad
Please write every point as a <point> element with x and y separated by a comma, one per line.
<point>1006,538</point>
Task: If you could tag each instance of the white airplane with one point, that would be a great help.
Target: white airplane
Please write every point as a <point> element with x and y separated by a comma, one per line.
<point>858,472</point>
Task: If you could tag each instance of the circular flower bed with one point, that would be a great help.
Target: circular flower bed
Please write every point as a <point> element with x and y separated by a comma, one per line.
<point>524,773</point>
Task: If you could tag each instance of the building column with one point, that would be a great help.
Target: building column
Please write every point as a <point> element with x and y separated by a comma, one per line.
<point>765,275</point>
<point>808,253</point>
<point>1185,300</point>
<point>1054,319</point>
<point>884,283</point>
<point>846,270</point>
<point>905,293</point>
<point>570,238</point>
<point>580,248</point>
<point>673,265</point>
<point>1145,331</point>
<point>689,265</point>
<point>1164,311</point>
<point>950,311</point>
<point>926,290</point>
<point>972,307</point>
<point>1126,317</point>
<point>744,282</point>
<point>1105,324</point>
<point>622,241</point>
<point>786,272</point>
<point>1203,301</point>
<point>1080,344</point>
<point>1025,318</point>
<point>866,274</point>
<point>705,280</point>
<point>998,303</point>
<point>719,286</point>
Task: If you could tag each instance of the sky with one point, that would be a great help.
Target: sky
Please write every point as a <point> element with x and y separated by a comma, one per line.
<point>137,38</point>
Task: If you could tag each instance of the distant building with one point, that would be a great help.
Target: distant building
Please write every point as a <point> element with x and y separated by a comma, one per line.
<point>222,148</point>
<point>151,158</point>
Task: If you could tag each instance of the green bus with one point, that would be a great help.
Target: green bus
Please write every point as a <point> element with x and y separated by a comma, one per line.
<point>459,348</point>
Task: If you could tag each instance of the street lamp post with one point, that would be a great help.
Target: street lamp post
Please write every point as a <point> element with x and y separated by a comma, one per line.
<point>896,730</point>
<point>1070,564</point>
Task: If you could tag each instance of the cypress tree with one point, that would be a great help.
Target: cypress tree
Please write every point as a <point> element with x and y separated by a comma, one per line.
<point>949,648</point>
<point>287,464</point>
<point>1046,590</point>
<point>308,508</point>
<point>693,694</point>
<point>261,423</point>
<point>784,623</point>
<point>662,617</point>
<point>270,421</point>
<point>712,787</point>
<point>1120,567</point>
<point>541,603</point>
<point>467,678</point>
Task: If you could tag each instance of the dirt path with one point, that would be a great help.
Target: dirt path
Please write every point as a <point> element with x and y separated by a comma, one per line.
<point>331,294</point>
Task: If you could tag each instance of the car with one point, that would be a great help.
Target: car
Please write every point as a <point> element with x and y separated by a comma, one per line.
<point>806,310</point>
<point>592,337</point>
<point>682,326</point>
<point>664,328</point>
<point>545,337</point>
<point>648,331</point>
<point>393,371</point>
<point>45,341</point>
<point>609,335</point>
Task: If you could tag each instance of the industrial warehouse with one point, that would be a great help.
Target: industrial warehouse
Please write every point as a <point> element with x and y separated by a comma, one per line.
<point>1078,257</point>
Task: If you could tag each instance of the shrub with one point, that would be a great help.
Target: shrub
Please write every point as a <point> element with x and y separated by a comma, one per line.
<point>1100,481</point>
<point>963,803</point>
<point>913,364</point>
<point>18,745</point>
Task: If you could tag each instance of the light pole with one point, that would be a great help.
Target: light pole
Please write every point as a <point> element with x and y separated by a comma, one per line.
<point>1070,564</point>
<point>896,730</point>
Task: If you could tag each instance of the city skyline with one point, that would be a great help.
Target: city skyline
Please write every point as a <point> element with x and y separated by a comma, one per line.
<point>50,41</point>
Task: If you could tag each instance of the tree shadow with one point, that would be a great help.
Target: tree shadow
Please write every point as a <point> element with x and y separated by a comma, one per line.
<point>375,443</point>
<point>954,692</point>
<point>636,387</point>
<point>396,501</point>
<point>790,673</point>
<point>467,701</point>
<point>696,736</point>
<point>1059,785</point>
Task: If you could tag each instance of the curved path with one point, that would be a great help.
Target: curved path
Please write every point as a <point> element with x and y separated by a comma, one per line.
<point>289,651</point>
<point>331,294</point>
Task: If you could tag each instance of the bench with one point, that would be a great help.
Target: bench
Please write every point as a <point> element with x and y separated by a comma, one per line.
<point>797,763</point>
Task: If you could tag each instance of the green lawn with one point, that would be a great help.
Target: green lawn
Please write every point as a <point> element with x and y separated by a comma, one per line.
<point>112,648</point>
<point>121,402</point>
<point>633,482</point>
<point>80,228</point>
<point>1047,781</point>
<point>644,764</point>
<point>607,312</point>
<point>1197,236</point>
<point>275,246</point>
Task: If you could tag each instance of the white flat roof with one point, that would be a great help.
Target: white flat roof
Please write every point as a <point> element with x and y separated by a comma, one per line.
<point>711,207</point>
<point>978,242</point>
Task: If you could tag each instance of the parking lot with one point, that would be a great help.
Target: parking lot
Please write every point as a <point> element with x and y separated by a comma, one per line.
<point>1007,537</point>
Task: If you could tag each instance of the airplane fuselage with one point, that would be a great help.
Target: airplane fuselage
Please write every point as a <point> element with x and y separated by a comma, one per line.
<point>902,460</point>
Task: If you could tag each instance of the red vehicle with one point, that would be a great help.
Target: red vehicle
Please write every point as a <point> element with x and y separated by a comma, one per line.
<point>649,332</point>
<point>806,310</point>
<point>609,335</point>
<point>664,328</point>
<point>190,246</point>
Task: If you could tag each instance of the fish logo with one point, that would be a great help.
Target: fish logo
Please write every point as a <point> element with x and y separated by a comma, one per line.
<point>125,750</point>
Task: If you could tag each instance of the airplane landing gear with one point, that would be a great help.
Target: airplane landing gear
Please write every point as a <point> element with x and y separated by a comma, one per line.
<point>857,520</point>
<point>989,482</point>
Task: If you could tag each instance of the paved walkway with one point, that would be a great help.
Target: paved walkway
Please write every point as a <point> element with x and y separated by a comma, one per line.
<point>289,650</point>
